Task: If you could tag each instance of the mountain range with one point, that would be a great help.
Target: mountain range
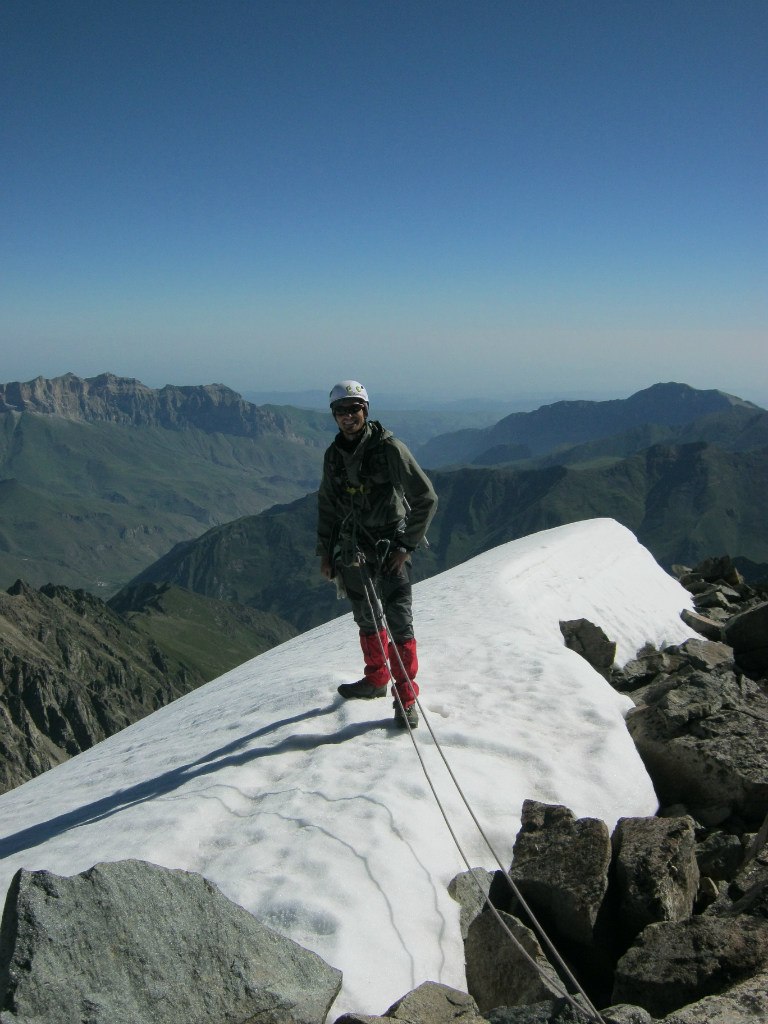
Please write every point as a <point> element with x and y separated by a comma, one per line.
<point>648,416</point>
<point>188,509</point>
<point>99,477</point>
<point>684,502</point>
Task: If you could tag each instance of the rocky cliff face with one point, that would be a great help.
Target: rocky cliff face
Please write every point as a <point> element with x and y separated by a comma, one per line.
<point>72,672</point>
<point>213,408</point>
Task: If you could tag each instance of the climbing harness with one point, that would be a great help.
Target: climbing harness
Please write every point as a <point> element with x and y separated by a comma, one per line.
<point>587,1008</point>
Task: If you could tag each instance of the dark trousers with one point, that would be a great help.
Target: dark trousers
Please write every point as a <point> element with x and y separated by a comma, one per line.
<point>394,590</point>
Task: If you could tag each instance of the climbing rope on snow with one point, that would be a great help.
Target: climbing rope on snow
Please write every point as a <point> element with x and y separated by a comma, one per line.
<point>586,1008</point>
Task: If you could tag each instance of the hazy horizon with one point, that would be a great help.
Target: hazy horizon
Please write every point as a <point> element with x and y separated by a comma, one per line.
<point>445,198</point>
<point>503,402</point>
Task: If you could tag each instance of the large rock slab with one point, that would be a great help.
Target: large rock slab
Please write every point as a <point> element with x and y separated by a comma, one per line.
<point>747,892</point>
<point>747,634</point>
<point>703,739</point>
<point>745,1003</point>
<point>470,889</point>
<point>656,873</point>
<point>133,943</point>
<point>675,963</point>
<point>430,1003</point>
<point>498,973</point>
<point>591,642</point>
<point>554,1011</point>
<point>560,865</point>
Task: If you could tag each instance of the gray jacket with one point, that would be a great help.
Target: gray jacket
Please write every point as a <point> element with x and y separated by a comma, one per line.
<point>376,490</point>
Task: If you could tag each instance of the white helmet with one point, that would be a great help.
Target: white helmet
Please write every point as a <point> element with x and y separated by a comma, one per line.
<point>348,389</point>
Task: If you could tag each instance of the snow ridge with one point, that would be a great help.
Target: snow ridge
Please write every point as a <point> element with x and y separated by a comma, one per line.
<point>313,813</point>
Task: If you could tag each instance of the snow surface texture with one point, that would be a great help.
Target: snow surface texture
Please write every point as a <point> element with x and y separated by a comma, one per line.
<point>314,814</point>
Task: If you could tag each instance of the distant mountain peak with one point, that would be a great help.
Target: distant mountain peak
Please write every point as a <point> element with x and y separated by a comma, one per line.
<point>213,408</point>
<point>680,392</point>
<point>549,427</point>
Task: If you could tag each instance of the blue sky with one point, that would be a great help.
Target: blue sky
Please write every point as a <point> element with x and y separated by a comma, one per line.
<point>457,198</point>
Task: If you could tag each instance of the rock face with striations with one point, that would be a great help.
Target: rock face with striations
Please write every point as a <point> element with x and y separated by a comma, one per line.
<point>213,408</point>
<point>72,672</point>
<point>133,943</point>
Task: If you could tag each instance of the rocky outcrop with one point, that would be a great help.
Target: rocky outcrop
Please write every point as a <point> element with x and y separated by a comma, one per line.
<point>506,965</point>
<point>212,408</point>
<point>728,609</point>
<point>747,634</point>
<point>703,738</point>
<point>666,954</point>
<point>180,953</point>
<point>560,867</point>
<point>683,901</point>
<point>657,874</point>
<point>72,672</point>
<point>676,963</point>
<point>470,890</point>
<point>430,1003</point>
<point>743,1003</point>
<point>589,640</point>
<point>701,719</point>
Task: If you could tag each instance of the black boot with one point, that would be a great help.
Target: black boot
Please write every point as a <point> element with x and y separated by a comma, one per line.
<point>405,718</point>
<point>361,690</point>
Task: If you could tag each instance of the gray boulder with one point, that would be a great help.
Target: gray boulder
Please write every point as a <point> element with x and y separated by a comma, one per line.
<point>720,567</point>
<point>747,634</point>
<point>589,640</point>
<point>705,654</point>
<point>470,890</point>
<point>656,874</point>
<point>645,668</point>
<point>498,973</point>
<point>562,1011</point>
<point>626,1013</point>
<point>560,865</point>
<point>430,1003</point>
<point>703,624</point>
<point>652,673</point>
<point>675,963</point>
<point>719,855</point>
<point>133,943</point>
<point>553,1011</point>
<point>703,739</point>
<point>744,1003</point>
<point>748,890</point>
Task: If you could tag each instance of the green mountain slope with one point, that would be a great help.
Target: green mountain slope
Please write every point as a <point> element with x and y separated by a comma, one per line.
<point>72,672</point>
<point>265,561</point>
<point>208,635</point>
<point>736,428</point>
<point>566,424</point>
<point>683,502</point>
<point>93,488</point>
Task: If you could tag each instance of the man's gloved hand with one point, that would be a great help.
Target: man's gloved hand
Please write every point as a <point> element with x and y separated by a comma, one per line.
<point>325,566</point>
<point>397,559</point>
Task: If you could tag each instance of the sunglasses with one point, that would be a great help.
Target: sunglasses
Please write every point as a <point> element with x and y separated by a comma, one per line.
<point>348,410</point>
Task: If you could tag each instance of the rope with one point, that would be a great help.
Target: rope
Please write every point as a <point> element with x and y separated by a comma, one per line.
<point>590,1011</point>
